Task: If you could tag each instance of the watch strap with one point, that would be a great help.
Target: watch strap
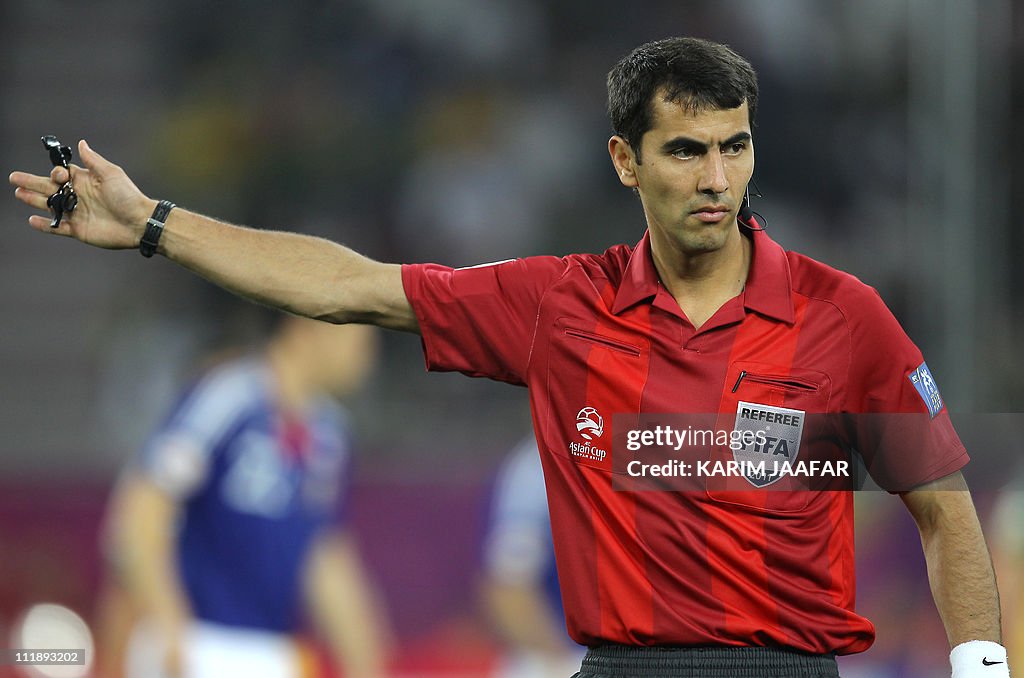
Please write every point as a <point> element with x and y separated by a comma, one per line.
<point>155,228</point>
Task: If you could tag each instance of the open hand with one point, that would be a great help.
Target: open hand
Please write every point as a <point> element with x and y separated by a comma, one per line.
<point>111,212</point>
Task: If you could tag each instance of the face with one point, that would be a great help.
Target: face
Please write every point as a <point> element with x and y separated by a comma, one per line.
<point>341,357</point>
<point>695,168</point>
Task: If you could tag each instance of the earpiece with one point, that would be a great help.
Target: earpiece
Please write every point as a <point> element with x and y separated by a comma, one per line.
<point>746,212</point>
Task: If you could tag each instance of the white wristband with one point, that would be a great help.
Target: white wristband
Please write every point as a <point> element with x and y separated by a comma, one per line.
<point>979,659</point>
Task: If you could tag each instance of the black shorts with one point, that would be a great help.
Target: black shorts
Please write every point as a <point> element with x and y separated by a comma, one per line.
<point>622,661</point>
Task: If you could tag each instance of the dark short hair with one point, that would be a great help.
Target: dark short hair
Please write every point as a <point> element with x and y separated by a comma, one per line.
<point>695,73</point>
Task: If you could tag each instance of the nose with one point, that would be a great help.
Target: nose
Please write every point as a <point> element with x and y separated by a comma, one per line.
<point>713,179</point>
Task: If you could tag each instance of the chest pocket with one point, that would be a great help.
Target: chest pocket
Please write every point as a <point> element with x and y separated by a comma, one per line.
<point>627,345</point>
<point>794,387</point>
<point>775,414</point>
<point>593,373</point>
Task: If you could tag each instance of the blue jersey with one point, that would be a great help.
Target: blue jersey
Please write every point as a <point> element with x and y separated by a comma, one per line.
<point>256,488</point>
<point>518,548</point>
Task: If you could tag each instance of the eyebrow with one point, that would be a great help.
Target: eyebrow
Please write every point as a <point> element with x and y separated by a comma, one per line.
<point>699,146</point>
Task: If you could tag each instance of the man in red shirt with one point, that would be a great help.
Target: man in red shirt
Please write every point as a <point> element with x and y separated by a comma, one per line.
<point>705,315</point>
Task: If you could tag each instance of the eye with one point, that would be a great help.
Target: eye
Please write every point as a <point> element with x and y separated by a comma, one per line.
<point>735,148</point>
<point>684,153</point>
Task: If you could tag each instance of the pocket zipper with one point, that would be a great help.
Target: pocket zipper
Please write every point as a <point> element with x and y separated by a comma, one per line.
<point>791,383</point>
<point>607,342</point>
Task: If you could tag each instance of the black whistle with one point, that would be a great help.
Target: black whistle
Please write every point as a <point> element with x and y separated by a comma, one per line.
<point>64,200</point>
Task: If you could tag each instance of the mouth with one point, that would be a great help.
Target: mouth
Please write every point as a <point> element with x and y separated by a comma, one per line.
<point>711,213</point>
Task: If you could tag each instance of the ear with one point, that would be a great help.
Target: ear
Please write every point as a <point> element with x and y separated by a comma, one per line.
<point>624,161</point>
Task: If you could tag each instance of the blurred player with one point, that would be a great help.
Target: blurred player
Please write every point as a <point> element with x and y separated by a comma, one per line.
<point>1007,525</point>
<point>228,531</point>
<point>520,585</point>
<point>704,314</point>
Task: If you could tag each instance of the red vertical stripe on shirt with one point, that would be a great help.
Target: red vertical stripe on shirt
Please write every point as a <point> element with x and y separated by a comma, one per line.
<point>624,591</point>
<point>828,564</point>
<point>737,548</point>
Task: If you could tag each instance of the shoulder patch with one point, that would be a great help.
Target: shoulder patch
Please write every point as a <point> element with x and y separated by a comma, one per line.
<point>922,380</point>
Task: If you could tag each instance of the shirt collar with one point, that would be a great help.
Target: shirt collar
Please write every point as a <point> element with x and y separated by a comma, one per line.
<point>769,289</point>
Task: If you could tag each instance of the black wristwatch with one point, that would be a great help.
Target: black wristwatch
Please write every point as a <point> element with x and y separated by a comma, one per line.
<point>155,228</point>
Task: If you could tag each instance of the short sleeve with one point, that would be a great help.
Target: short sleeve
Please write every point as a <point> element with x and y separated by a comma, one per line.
<point>177,457</point>
<point>902,427</point>
<point>480,320</point>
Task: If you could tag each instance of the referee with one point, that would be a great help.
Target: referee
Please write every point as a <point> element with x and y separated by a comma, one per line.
<point>705,314</point>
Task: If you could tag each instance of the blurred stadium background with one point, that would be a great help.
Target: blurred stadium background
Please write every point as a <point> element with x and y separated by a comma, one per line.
<point>463,131</point>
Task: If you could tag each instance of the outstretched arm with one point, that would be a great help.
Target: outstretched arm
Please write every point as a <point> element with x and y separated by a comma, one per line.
<point>297,273</point>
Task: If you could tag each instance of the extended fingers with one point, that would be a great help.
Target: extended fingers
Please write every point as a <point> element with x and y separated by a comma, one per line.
<point>39,223</point>
<point>34,182</point>
<point>33,190</point>
<point>42,224</point>
<point>31,198</point>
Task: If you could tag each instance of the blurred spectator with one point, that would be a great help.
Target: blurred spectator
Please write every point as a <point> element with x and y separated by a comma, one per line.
<point>1007,544</point>
<point>231,522</point>
<point>520,587</point>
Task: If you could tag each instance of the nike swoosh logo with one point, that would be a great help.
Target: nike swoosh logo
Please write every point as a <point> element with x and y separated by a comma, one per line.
<point>986,662</point>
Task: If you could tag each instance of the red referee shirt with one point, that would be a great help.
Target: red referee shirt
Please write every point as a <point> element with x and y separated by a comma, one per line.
<point>687,568</point>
